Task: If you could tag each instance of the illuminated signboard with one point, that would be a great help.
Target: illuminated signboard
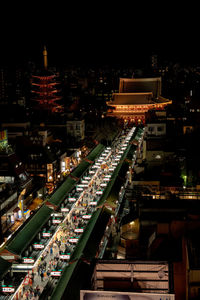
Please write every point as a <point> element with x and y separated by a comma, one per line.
<point>56,215</point>
<point>3,135</point>
<point>93,203</point>
<point>56,221</point>
<point>38,246</point>
<point>8,289</point>
<point>3,139</point>
<point>73,240</point>
<point>28,260</point>
<point>72,199</point>
<point>65,256</point>
<point>95,167</point>
<point>64,209</point>
<point>56,273</point>
<point>106,179</point>
<point>46,234</point>
<point>86,216</point>
<point>99,193</point>
<point>78,230</point>
<point>84,181</point>
<point>91,172</point>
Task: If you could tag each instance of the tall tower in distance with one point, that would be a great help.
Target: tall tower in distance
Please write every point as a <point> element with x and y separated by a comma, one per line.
<point>45,58</point>
<point>45,89</point>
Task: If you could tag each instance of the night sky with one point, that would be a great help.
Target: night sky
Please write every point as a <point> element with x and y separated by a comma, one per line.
<point>122,34</point>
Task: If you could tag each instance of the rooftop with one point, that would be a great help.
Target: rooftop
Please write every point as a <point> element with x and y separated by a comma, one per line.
<point>141,85</point>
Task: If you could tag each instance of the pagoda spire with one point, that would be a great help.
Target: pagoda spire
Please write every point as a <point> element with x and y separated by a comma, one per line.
<point>45,57</point>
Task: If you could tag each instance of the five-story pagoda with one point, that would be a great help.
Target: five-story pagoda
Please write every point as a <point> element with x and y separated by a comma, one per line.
<point>44,89</point>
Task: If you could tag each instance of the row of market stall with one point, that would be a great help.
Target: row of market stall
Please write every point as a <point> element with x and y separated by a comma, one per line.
<point>71,213</point>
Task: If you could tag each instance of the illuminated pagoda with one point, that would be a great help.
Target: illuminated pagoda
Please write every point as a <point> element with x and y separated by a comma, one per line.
<point>44,88</point>
<point>136,96</point>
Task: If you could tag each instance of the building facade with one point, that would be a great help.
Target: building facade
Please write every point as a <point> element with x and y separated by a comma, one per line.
<point>135,98</point>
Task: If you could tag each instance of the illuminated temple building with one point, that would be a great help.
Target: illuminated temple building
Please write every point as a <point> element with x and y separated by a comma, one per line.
<point>136,96</point>
<point>44,89</point>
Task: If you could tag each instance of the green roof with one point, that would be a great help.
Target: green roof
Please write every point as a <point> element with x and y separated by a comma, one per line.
<point>4,267</point>
<point>24,237</point>
<point>78,252</point>
<point>97,150</point>
<point>61,193</point>
<point>80,169</point>
<point>77,280</point>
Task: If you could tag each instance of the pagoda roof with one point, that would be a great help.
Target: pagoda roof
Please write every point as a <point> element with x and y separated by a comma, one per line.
<point>44,73</point>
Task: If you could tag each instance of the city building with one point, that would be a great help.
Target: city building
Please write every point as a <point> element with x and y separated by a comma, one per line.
<point>76,129</point>
<point>9,210</point>
<point>15,184</point>
<point>131,279</point>
<point>15,129</point>
<point>12,169</point>
<point>135,98</point>
<point>12,86</point>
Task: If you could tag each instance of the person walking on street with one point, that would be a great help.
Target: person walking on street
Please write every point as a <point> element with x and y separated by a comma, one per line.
<point>48,272</point>
<point>45,264</point>
<point>42,275</point>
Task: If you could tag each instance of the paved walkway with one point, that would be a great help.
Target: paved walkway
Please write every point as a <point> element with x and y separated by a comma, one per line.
<point>39,282</point>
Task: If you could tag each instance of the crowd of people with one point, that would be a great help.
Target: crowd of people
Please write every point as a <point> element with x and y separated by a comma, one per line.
<point>78,216</point>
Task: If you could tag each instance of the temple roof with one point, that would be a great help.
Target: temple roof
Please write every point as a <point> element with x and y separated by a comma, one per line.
<point>141,85</point>
<point>131,98</point>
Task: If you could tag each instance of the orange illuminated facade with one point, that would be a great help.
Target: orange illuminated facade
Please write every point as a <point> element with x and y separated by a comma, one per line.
<point>135,98</point>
